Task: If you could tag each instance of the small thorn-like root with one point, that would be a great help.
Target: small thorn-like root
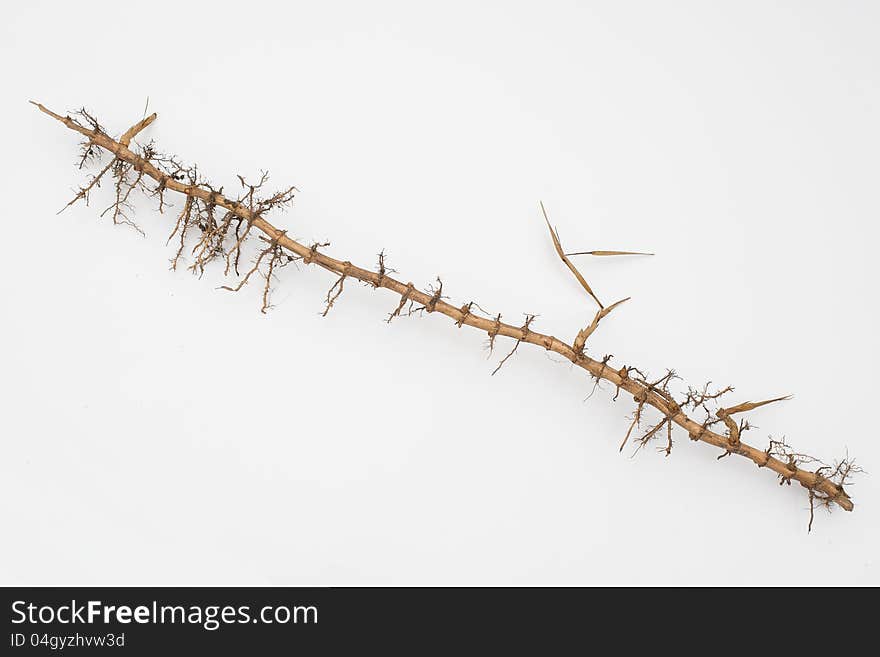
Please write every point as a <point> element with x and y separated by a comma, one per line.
<point>834,477</point>
<point>334,292</point>
<point>702,398</point>
<point>121,207</point>
<point>275,257</point>
<point>309,257</point>
<point>210,246</point>
<point>83,193</point>
<point>465,313</point>
<point>250,272</point>
<point>493,333</point>
<point>184,221</point>
<point>646,438</point>
<point>812,509</point>
<point>381,271</point>
<point>404,298</point>
<point>436,296</point>
<point>597,377</point>
<point>636,421</point>
<point>524,334</point>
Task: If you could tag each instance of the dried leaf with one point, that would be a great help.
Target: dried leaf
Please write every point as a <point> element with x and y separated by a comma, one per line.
<point>567,262</point>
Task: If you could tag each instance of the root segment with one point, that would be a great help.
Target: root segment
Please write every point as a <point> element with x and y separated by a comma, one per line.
<point>825,485</point>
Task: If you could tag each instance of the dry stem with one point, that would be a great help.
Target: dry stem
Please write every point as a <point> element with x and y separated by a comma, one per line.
<point>825,485</point>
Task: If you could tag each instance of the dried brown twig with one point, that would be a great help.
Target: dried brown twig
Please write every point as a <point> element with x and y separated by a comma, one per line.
<point>225,223</point>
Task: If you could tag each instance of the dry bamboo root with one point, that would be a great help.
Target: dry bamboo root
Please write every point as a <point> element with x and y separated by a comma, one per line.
<point>224,224</point>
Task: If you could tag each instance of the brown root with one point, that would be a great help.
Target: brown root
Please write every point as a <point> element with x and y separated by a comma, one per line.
<point>525,333</point>
<point>334,292</point>
<point>145,169</point>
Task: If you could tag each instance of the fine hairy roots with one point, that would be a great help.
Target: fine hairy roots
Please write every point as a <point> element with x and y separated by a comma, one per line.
<point>214,225</point>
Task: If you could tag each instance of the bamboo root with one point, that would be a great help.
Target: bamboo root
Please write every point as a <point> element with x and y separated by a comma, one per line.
<point>205,205</point>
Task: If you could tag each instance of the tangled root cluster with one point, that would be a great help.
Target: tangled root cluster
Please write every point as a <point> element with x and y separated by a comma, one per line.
<point>203,233</point>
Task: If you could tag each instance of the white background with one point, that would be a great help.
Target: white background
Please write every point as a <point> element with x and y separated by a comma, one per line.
<point>156,430</point>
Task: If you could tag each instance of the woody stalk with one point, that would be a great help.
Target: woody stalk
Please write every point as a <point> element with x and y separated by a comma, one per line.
<point>221,224</point>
